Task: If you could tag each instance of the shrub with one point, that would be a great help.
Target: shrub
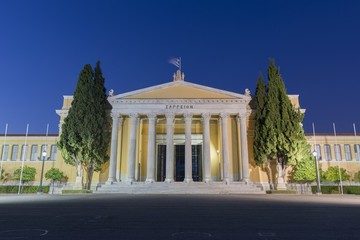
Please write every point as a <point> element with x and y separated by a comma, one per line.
<point>71,191</point>
<point>24,189</point>
<point>281,192</point>
<point>335,189</point>
<point>27,176</point>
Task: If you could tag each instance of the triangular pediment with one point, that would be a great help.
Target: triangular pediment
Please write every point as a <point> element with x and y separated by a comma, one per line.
<point>180,90</point>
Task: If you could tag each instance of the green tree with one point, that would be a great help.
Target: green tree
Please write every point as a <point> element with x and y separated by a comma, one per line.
<point>28,174</point>
<point>99,127</point>
<point>83,140</point>
<point>75,135</point>
<point>54,174</point>
<point>332,175</point>
<point>261,144</point>
<point>304,171</point>
<point>280,132</point>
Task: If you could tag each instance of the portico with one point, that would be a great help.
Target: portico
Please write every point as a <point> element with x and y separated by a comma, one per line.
<point>179,131</point>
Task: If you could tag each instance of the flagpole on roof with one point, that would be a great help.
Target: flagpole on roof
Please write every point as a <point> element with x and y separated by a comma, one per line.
<point>23,157</point>
<point>3,152</point>
<point>341,185</point>
<point>354,129</point>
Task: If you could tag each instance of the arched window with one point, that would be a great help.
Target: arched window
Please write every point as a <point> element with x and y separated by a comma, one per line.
<point>327,151</point>
<point>5,153</point>
<point>14,152</point>
<point>357,152</point>
<point>337,152</point>
<point>347,152</point>
<point>318,151</point>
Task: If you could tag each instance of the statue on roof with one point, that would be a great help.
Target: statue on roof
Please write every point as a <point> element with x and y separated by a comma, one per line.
<point>179,76</point>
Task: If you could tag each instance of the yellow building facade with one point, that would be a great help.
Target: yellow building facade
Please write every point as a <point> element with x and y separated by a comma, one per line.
<point>176,132</point>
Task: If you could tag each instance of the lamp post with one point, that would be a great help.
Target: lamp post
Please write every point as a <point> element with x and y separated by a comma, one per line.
<point>318,188</point>
<point>43,154</point>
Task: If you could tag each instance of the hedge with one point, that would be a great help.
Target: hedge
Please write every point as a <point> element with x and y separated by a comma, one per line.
<point>24,189</point>
<point>281,192</point>
<point>73,191</point>
<point>335,189</point>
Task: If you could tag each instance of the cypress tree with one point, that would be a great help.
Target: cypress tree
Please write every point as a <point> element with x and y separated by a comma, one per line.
<point>99,126</point>
<point>84,138</point>
<point>279,136</point>
<point>72,142</point>
<point>259,99</point>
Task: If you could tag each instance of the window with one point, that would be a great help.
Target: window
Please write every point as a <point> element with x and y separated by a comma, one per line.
<point>43,148</point>
<point>327,152</point>
<point>347,152</point>
<point>34,152</point>
<point>318,151</point>
<point>357,152</point>
<point>5,153</point>
<point>24,153</point>
<point>14,152</point>
<point>337,152</point>
<point>53,152</point>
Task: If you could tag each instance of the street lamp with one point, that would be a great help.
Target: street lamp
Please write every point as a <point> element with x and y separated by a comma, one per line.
<point>43,154</point>
<point>318,188</point>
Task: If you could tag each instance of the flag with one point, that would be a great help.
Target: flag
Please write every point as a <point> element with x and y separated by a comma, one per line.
<point>176,62</point>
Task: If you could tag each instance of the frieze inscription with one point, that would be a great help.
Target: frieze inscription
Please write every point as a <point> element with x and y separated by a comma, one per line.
<point>179,106</point>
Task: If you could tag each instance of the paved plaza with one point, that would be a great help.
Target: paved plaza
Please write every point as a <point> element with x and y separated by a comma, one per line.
<point>175,217</point>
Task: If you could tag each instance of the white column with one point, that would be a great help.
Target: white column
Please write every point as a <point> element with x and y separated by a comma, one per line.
<point>225,146</point>
<point>132,148</point>
<point>238,136</point>
<point>169,147</point>
<point>150,176</point>
<point>244,148</point>
<point>206,144</point>
<point>113,148</point>
<point>188,155</point>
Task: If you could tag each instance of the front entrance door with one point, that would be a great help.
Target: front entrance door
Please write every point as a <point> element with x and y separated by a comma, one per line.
<point>161,163</point>
<point>179,163</point>
<point>179,157</point>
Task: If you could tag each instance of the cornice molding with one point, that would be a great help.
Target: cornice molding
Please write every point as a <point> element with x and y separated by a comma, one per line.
<point>179,101</point>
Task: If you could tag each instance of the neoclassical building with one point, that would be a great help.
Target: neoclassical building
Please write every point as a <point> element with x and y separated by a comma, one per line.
<point>177,132</point>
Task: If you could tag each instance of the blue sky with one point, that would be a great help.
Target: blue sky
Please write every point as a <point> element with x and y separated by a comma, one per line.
<point>223,44</point>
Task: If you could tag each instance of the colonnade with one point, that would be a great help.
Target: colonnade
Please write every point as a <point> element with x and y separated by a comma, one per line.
<point>117,119</point>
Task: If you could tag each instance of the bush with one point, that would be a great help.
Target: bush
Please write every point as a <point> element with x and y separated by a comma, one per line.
<point>24,189</point>
<point>28,174</point>
<point>70,191</point>
<point>281,192</point>
<point>335,189</point>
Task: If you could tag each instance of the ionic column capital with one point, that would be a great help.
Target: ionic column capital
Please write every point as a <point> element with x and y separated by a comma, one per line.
<point>169,115</point>
<point>206,116</point>
<point>188,117</point>
<point>115,115</point>
<point>133,115</point>
<point>151,115</point>
<point>224,115</point>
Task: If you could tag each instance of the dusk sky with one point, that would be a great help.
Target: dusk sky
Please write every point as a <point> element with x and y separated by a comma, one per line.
<point>223,44</point>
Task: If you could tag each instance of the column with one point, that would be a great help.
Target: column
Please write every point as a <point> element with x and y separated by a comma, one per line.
<point>169,147</point>
<point>206,144</point>
<point>132,148</point>
<point>188,152</point>
<point>113,148</point>
<point>244,149</point>
<point>150,176</point>
<point>225,146</point>
<point>238,137</point>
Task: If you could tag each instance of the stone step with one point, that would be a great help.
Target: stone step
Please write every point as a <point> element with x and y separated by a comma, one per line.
<point>181,188</point>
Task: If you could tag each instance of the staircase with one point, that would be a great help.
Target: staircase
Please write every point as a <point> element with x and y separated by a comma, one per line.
<point>181,188</point>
